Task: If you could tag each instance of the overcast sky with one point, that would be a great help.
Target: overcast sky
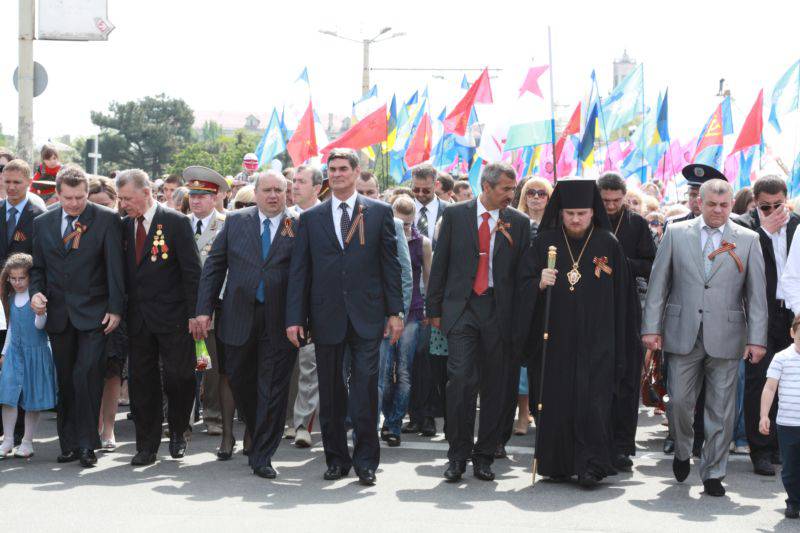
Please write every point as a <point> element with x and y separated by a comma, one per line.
<point>242,55</point>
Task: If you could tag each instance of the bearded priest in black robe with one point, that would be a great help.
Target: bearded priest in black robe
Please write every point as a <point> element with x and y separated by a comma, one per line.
<point>585,360</point>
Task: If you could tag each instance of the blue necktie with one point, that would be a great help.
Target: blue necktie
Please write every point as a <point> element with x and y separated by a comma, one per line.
<point>11,223</point>
<point>265,242</point>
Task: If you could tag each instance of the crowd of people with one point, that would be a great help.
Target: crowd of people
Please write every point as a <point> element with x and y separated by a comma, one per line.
<point>318,298</point>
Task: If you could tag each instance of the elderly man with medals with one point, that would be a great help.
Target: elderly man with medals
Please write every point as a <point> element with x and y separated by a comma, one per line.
<point>584,362</point>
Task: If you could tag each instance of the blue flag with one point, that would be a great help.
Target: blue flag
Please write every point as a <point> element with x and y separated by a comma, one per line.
<point>475,176</point>
<point>272,142</point>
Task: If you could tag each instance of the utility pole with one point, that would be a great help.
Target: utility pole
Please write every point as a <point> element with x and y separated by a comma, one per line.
<point>25,124</point>
<point>365,72</point>
<point>95,155</point>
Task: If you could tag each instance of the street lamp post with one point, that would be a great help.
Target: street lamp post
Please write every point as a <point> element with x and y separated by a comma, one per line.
<point>365,43</point>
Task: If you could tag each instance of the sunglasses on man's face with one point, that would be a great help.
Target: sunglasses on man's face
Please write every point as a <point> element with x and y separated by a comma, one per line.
<point>766,208</point>
<point>242,205</point>
<point>533,193</point>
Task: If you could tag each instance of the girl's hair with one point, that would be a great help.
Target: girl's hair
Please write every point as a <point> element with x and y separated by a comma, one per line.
<point>14,262</point>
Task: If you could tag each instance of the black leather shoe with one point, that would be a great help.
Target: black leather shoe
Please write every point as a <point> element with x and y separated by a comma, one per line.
<point>385,433</point>
<point>177,447</point>
<point>775,458</point>
<point>455,469</point>
<point>482,471</point>
<point>87,457</point>
<point>588,481</point>
<point>266,471</point>
<point>143,459</point>
<point>367,477</point>
<point>68,457</point>
<point>763,467</point>
<point>669,446</point>
<point>335,472</point>
<point>428,427</point>
<point>792,511</point>
<point>680,469</point>
<point>392,440</point>
<point>500,452</point>
<point>225,455</point>
<point>410,427</point>
<point>622,462</point>
<point>714,487</point>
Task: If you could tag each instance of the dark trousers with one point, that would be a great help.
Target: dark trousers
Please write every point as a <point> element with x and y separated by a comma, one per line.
<point>625,406</point>
<point>421,382</point>
<point>432,370</point>
<point>176,352</point>
<point>477,362</point>
<point>80,361</point>
<point>363,400</point>
<point>755,376</point>
<point>259,372</point>
<point>789,440</point>
<point>511,401</point>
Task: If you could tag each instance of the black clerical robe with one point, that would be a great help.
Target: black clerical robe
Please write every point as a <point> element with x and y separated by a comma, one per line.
<point>584,362</point>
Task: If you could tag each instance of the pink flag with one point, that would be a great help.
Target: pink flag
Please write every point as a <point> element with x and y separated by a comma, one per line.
<point>614,156</point>
<point>732,167</point>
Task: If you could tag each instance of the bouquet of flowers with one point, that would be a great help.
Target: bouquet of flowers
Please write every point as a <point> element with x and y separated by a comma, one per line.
<point>201,354</point>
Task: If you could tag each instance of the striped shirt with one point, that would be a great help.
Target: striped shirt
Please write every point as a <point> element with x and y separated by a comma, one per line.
<point>785,367</point>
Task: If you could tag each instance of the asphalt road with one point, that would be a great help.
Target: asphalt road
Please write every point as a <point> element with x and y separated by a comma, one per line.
<point>200,493</point>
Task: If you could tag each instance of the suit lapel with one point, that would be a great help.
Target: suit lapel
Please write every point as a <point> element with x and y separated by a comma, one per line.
<point>84,219</point>
<point>727,236</point>
<point>472,224</point>
<point>148,240</point>
<point>696,246</point>
<point>205,237</point>
<point>57,233</point>
<point>326,213</point>
<point>500,240</point>
<point>276,239</point>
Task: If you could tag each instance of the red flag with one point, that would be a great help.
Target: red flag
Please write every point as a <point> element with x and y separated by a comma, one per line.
<point>753,124</point>
<point>480,92</point>
<point>303,144</point>
<point>573,128</point>
<point>419,147</point>
<point>370,130</point>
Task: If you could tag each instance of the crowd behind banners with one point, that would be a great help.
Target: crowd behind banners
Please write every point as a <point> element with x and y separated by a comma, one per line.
<point>302,298</point>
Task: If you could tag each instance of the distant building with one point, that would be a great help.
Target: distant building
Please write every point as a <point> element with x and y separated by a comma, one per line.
<point>622,67</point>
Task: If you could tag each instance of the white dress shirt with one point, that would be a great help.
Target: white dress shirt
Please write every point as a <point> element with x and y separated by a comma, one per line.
<point>337,214</point>
<point>64,216</point>
<point>779,253</point>
<point>274,224</point>
<point>297,210</point>
<point>717,236</point>
<point>19,207</point>
<point>204,222</point>
<point>493,216</point>
<point>790,280</point>
<point>148,219</point>
<point>431,210</point>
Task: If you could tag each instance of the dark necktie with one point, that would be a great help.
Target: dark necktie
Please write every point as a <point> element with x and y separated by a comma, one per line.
<point>484,241</point>
<point>141,236</point>
<point>422,223</point>
<point>266,240</point>
<point>11,223</point>
<point>345,222</point>
<point>68,230</point>
<point>199,229</point>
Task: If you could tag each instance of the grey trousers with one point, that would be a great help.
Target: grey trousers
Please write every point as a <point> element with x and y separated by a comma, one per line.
<point>685,379</point>
<point>303,390</point>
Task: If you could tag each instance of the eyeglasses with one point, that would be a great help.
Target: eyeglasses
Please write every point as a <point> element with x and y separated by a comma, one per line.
<point>655,222</point>
<point>533,193</point>
<point>418,190</point>
<point>765,208</point>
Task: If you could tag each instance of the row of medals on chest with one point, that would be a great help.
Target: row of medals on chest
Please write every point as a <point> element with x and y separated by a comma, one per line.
<point>158,242</point>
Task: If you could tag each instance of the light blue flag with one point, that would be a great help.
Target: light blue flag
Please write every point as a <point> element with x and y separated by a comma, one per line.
<point>794,182</point>
<point>475,176</point>
<point>624,103</point>
<point>303,76</point>
<point>464,82</point>
<point>272,142</point>
<point>785,95</point>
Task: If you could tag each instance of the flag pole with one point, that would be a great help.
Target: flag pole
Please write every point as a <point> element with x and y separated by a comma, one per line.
<point>641,149</point>
<point>552,106</point>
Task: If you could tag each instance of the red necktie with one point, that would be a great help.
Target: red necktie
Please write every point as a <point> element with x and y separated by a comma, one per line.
<point>141,236</point>
<point>484,238</point>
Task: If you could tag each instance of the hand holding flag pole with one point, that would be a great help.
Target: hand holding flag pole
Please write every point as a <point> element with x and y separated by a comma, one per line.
<point>551,264</point>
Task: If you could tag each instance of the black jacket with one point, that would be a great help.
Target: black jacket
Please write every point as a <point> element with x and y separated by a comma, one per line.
<point>162,292</point>
<point>637,242</point>
<point>331,286</point>
<point>22,241</point>
<point>455,264</point>
<point>83,284</point>
<point>237,251</point>
<point>751,221</point>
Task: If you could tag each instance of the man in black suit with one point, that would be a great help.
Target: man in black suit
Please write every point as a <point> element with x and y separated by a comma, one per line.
<point>471,295</point>
<point>775,224</point>
<point>16,229</point>
<point>162,272</point>
<point>633,233</point>
<point>345,278</point>
<point>255,248</point>
<point>78,278</point>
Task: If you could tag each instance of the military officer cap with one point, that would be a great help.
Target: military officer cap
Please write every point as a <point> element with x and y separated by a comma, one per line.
<point>203,180</point>
<point>697,174</point>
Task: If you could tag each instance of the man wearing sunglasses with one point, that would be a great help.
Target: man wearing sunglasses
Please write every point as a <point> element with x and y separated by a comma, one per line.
<point>775,225</point>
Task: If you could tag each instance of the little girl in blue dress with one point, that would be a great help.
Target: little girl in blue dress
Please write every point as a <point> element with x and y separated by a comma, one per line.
<point>27,375</point>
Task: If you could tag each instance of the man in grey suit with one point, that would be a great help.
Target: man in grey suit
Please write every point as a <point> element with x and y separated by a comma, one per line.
<point>706,306</point>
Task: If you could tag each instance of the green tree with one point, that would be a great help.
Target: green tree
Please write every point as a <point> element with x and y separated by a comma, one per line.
<point>211,131</point>
<point>224,154</point>
<point>144,134</point>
